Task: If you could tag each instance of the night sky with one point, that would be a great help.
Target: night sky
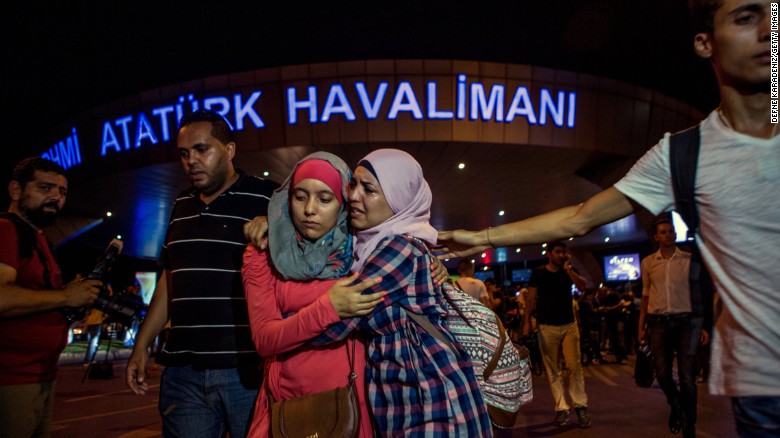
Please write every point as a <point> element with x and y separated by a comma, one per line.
<point>63,58</point>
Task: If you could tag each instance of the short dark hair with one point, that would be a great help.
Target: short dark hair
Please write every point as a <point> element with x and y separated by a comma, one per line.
<point>703,14</point>
<point>555,244</point>
<point>220,128</point>
<point>465,265</point>
<point>663,220</point>
<point>24,172</point>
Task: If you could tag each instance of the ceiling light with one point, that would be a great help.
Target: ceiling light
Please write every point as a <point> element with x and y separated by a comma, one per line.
<point>544,245</point>
<point>501,213</point>
<point>484,255</point>
<point>266,173</point>
<point>108,214</point>
<point>119,236</point>
<point>606,239</point>
<point>461,166</point>
<point>518,250</point>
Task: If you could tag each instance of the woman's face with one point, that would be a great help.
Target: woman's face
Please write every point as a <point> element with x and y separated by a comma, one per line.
<point>367,204</point>
<point>314,208</point>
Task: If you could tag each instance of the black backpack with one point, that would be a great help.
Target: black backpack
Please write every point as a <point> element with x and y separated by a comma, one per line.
<point>683,162</point>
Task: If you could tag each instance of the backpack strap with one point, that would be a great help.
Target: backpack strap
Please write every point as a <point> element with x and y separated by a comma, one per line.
<point>683,165</point>
<point>27,243</point>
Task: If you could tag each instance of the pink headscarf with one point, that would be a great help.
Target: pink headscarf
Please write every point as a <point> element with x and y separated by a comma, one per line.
<point>409,197</point>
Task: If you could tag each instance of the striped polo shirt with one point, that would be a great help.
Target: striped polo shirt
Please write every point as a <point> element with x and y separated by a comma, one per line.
<point>203,252</point>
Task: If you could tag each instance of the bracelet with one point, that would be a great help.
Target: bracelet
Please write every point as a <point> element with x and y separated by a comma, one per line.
<point>488,238</point>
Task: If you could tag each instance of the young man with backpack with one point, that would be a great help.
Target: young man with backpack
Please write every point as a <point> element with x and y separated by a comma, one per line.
<point>738,202</point>
<point>34,330</point>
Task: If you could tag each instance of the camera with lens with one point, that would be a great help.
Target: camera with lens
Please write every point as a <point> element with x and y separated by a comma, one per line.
<point>123,308</point>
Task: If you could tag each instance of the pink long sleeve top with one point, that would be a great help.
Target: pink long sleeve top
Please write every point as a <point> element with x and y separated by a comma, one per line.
<point>284,315</point>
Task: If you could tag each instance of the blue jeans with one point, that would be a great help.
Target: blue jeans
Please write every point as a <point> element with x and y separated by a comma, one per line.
<point>206,403</point>
<point>670,336</point>
<point>757,417</point>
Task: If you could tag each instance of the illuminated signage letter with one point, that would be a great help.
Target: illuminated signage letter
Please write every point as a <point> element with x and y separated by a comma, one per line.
<point>247,109</point>
<point>486,106</point>
<point>162,112</point>
<point>331,107</point>
<point>294,105</point>
<point>144,130</point>
<point>433,113</point>
<point>180,106</point>
<point>109,139</point>
<point>572,107</point>
<point>211,103</point>
<point>548,105</point>
<point>123,122</point>
<point>405,101</point>
<point>521,106</point>
<point>461,97</point>
<point>371,108</point>
<point>65,153</point>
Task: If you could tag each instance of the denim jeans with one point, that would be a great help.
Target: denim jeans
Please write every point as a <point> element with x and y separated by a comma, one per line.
<point>205,403</point>
<point>757,417</point>
<point>553,338</point>
<point>670,336</point>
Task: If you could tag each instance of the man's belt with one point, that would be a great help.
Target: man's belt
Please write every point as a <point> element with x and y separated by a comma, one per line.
<point>668,316</point>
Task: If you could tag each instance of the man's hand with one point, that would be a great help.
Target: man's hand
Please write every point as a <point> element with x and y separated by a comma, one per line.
<point>349,301</point>
<point>256,231</point>
<point>79,293</point>
<point>136,371</point>
<point>705,337</point>
<point>458,243</point>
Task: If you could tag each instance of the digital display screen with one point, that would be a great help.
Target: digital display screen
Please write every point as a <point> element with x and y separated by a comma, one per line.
<point>622,267</point>
<point>483,275</point>
<point>521,275</point>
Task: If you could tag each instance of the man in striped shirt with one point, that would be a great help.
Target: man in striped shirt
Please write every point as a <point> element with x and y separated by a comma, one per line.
<point>211,377</point>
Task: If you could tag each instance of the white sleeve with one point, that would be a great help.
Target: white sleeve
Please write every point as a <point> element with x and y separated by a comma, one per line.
<point>649,182</point>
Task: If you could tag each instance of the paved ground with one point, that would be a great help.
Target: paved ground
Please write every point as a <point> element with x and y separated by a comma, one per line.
<point>105,408</point>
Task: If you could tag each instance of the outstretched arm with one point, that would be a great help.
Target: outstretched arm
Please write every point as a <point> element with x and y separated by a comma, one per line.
<point>576,220</point>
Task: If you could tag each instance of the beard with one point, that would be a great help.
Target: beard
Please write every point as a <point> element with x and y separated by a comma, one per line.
<point>40,217</point>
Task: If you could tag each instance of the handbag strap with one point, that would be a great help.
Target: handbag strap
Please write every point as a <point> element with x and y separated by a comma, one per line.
<point>351,359</point>
<point>352,376</point>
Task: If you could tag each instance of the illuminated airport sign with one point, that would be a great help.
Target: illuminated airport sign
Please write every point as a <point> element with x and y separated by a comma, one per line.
<point>462,99</point>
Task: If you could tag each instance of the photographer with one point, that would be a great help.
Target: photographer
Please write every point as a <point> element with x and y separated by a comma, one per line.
<point>33,331</point>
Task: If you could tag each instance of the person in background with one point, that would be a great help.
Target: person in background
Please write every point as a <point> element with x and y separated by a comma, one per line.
<point>33,330</point>
<point>550,296</point>
<point>474,287</point>
<point>665,320</point>
<point>211,379</point>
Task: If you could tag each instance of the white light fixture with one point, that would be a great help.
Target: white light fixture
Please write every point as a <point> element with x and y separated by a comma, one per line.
<point>484,255</point>
<point>606,239</point>
<point>109,214</point>
<point>544,252</point>
<point>461,166</point>
<point>266,173</point>
<point>518,250</point>
<point>119,236</point>
<point>544,245</point>
<point>501,213</point>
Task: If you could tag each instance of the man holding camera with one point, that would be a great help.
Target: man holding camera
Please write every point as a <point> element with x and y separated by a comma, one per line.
<point>33,330</point>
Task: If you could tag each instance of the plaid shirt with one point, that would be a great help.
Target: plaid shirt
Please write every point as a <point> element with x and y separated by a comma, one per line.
<point>417,385</point>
